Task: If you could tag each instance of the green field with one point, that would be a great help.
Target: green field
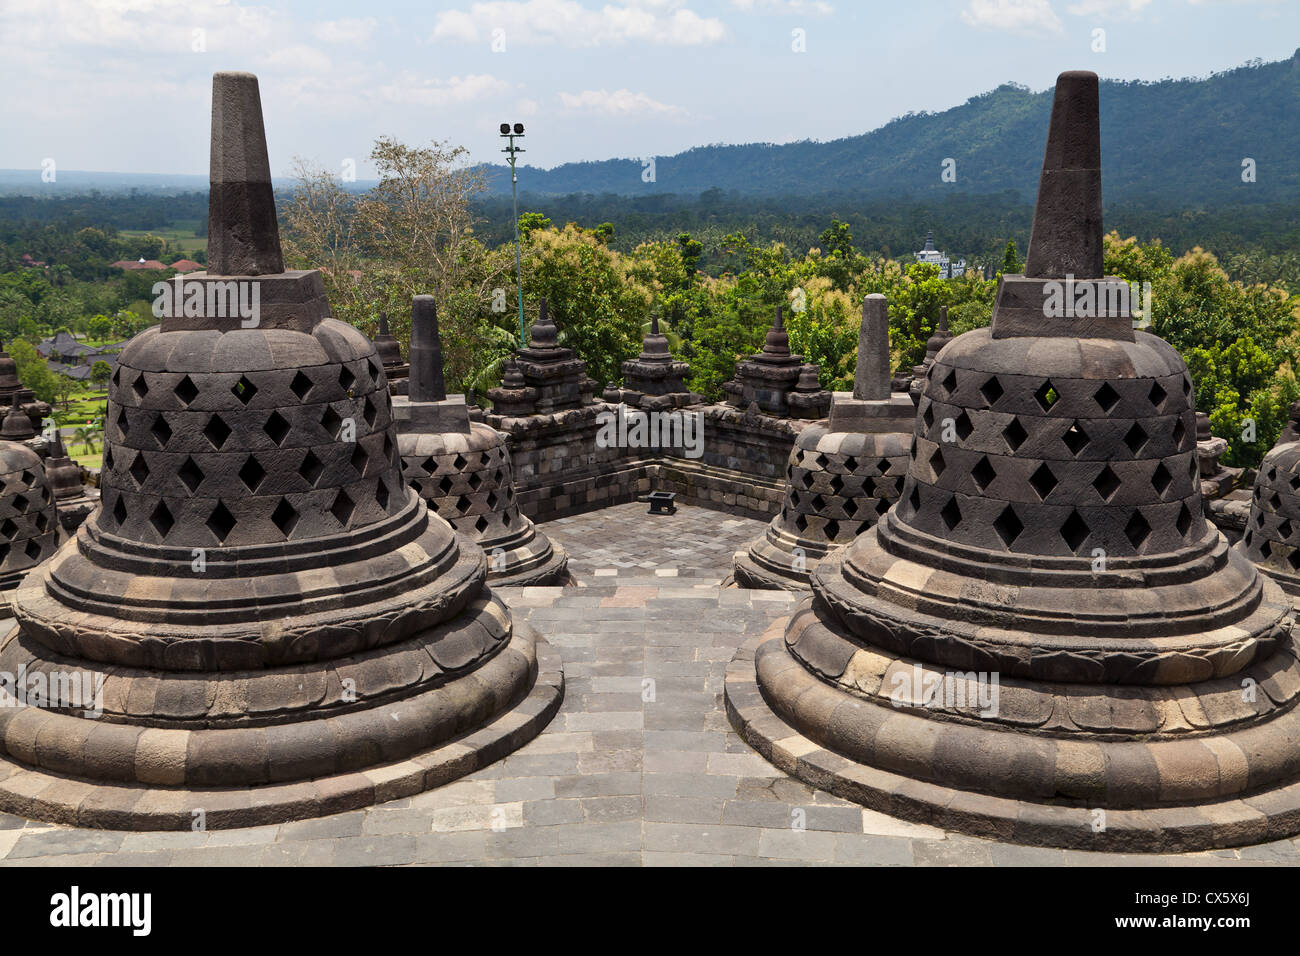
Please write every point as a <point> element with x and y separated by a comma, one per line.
<point>179,236</point>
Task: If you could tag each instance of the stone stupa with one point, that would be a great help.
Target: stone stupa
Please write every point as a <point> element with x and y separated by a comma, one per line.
<point>654,380</point>
<point>462,469</point>
<point>390,355</point>
<point>281,628</point>
<point>770,379</point>
<point>544,376</point>
<point>1045,642</point>
<point>1272,536</point>
<point>29,527</point>
<point>17,424</point>
<point>11,389</point>
<point>843,475</point>
<point>73,499</point>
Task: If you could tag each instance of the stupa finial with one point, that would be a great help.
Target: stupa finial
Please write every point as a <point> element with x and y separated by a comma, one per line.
<point>243,237</point>
<point>427,384</point>
<point>871,377</point>
<point>1067,237</point>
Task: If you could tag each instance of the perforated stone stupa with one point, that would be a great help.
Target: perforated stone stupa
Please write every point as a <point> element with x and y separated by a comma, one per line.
<point>777,381</point>
<point>462,469</point>
<point>1272,537</point>
<point>1050,538</point>
<point>281,627</point>
<point>843,474</point>
<point>29,527</point>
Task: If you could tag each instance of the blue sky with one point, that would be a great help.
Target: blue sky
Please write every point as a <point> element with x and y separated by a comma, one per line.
<point>118,85</point>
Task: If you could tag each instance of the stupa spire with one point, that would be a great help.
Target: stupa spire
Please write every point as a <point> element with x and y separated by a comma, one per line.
<point>871,377</point>
<point>243,237</point>
<point>1066,236</point>
<point>427,383</point>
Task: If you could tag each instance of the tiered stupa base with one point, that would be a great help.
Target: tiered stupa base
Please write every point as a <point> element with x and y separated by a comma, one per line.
<point>1196,750</point>
<point>279,682</point>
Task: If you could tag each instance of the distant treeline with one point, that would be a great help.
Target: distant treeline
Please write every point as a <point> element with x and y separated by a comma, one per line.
<point>973,227</point>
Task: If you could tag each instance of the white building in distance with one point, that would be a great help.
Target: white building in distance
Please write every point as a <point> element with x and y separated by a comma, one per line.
<point>947,268</point>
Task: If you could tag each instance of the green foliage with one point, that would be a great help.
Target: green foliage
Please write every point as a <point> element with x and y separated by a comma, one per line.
<point>1011,264</point>
<point>33,371</point>
<point>595,300</point>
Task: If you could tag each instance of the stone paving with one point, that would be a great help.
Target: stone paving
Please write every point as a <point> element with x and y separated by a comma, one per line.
<point>624,541</point>
<point>640,767</point>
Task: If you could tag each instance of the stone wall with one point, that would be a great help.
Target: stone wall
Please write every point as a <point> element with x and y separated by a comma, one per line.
<point>560,470</point>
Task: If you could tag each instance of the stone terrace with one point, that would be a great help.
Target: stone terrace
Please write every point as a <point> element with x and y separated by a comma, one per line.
<point>615,779</point>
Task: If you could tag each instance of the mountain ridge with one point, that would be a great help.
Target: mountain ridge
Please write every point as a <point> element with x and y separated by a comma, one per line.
<point>1159,138</point>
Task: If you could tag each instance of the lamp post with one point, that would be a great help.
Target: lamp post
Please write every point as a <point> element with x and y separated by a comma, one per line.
<point>511,149</point>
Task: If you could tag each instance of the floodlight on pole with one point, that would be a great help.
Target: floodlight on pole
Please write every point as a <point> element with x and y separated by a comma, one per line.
<point>511,150</point>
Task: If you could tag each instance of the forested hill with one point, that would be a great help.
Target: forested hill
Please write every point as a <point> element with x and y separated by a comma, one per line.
<point>1173,139</point>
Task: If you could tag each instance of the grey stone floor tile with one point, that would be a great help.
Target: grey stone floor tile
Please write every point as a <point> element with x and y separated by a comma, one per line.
<point>862,849</point>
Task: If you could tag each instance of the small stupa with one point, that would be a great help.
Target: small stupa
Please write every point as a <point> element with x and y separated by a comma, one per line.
<point>29,527</point>
<point>843,474</point>
<point>654,379</point>
<point>11,389</point>
<point>770,378</point>
<point>73,499</point>
<point>544,376</point>
<point>462,469</point>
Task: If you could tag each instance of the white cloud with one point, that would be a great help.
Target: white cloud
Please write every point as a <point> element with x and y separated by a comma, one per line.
<point>455,25</point>
<point>299,59</point>
<point>345,30</point>
<point>1013,16</point>
<point>458,89</point>
<point>792,7</point>
<point>572,24</point>
<point>619,103</point>
<point>1122,9</point>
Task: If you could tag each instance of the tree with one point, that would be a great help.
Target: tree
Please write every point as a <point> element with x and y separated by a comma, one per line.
<point>65,388</point>
<point>691,250</point>
<point>100,373</point>
<point>34,371</point>
<point>838,240</point>
<point>593,296</point>
<point>411,234</point>
<point>86,435</point>
<point>530,221</point>
<point>1011,264</point>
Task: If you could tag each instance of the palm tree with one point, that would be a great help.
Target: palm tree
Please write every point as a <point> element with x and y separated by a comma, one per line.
<point>87,436</point>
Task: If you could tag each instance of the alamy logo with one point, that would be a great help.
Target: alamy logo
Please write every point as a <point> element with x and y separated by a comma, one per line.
<point>74,908</point>
<point>631,428</point>
<point>62,690</point>
<point>232,299</point>
<point>1094,299</point>
<point>918,687</point>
